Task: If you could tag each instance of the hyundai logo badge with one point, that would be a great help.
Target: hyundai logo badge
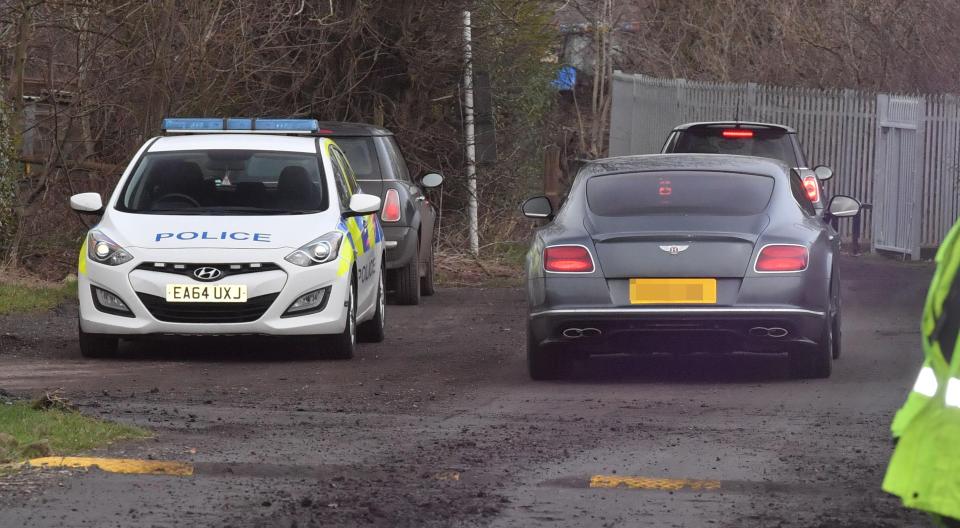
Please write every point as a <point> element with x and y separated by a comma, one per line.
<point>207,273</point>
<point>674,250</point>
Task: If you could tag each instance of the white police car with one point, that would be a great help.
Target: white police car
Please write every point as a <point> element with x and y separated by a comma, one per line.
<point>233,226</point>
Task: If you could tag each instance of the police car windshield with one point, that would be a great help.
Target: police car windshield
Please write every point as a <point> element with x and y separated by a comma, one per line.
<point>226,182</point>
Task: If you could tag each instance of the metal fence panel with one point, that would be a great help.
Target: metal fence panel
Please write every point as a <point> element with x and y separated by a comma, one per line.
<point>838,128</point>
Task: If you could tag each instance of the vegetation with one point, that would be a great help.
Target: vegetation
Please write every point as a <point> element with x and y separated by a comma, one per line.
<point>27,432</point>
<point>34,296</point>
<point>101,75</point>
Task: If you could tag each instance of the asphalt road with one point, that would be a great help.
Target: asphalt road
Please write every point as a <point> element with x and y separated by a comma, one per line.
<point>440,426</point>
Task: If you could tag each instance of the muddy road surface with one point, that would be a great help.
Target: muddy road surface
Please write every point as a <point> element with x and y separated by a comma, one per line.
<point>440,426</point>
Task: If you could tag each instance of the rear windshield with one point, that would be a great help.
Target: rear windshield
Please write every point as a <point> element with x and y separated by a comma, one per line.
<point>679,193</point>
<point>362,155</point>
<point>225,182</point>
<point>771,143</point>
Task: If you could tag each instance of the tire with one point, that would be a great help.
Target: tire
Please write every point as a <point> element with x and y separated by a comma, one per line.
<point>542,363</point>
<point>837,319</point>
<point>342,345</point>
<point>426,282</point>
<point>408,282</point>
<point>373,331</point>
<point>97,345</point>
<point>815,362</point>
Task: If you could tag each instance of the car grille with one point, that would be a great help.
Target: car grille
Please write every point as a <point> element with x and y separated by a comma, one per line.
<point>226,270</point>
<point>169,312</point>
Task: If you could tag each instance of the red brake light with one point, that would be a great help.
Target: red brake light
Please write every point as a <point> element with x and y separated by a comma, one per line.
<point>737,133</point>
<point>325,131</point>
<point>391,206</point>
<point>567,259</point>
<point>812,186</point>
<point>782,258</point>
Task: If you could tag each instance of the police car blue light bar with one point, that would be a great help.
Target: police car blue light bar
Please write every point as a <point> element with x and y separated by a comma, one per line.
<point>238,125</point>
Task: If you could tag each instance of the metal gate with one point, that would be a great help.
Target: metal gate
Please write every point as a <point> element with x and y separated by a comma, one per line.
<point>898,179</point>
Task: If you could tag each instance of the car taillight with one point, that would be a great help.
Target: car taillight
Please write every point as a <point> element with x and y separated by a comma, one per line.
<point>782,258</point>
<point>812,186</point>
<point>736,133</point>
<point>567,259</point>
<point>391,207</point>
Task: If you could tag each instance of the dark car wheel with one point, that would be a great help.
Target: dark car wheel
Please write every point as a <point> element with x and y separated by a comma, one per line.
<point>543,363</point>
<point>372,331</point>
<point>837,317</point>
<point>342,345</point>
<point>426,282</point>
<point>98,345</point>
<point>408,282</point>
<point>816,361</point>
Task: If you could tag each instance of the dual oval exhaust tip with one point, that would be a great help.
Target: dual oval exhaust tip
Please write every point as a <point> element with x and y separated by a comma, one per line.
<point>576,333</point>
<point>776,332</point>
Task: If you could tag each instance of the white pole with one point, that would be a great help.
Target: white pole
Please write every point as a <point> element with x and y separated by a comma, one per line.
<point>469,133</point>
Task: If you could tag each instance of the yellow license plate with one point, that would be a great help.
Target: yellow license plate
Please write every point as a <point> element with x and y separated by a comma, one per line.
<point>673,291</point>
<point>207,293</point>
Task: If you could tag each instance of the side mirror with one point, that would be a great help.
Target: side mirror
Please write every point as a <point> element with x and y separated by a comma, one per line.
<point>823,172</point>
<point>841,206</point>
<point>87,203</point>
<point>537,207</point>
<point>431,180</point>
<point>362,204</point>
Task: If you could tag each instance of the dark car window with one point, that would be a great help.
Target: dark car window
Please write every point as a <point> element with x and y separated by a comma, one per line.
<point>396,159</point>
<point>800,194</point>
<point>225,182</point>
<point>774,143</point>
<point>683,193</point>
<point>362,154</point>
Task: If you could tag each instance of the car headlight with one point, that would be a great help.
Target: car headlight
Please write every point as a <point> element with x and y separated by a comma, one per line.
<point>105,251</point>
<point>323,249</point>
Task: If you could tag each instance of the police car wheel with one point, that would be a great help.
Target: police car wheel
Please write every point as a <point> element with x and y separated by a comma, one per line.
<point>543,363</point>
<point>426,282</point>
<point>372,331</point>
<point>98,345</point>
<point>343,344</point>
<point>408,282</point>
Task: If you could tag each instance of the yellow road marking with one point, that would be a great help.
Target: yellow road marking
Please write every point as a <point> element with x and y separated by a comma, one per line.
<point>448,475</point>
<point>614,481</point>
<point>117,465</point>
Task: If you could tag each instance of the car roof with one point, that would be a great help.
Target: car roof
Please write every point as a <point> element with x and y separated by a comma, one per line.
<point>270,142</point>
<point>347,128</point>
<point>686,162</point>
<point>736,124</point>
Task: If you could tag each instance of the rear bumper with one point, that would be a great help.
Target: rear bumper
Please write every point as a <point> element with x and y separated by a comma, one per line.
<point>401,245</point>
<point>773,329</point>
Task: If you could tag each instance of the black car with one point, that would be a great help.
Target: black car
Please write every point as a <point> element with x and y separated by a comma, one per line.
<point>685,253</point>
<point>407,216</point>
<point>765,140</point>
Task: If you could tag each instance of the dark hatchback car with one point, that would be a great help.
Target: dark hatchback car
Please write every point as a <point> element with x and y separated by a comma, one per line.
<point>407,216</point>
<point>742,138</point>
<point>685,254</point>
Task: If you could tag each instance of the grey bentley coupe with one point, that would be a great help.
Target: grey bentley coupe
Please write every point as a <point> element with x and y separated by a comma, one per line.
<point>685,253</point>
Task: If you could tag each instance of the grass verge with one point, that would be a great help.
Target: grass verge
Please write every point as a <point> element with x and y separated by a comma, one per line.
<point>32,296</point>
<point>26,432</point>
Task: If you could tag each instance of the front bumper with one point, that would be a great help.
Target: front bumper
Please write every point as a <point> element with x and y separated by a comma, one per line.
<point>632,330</point>
<point>143,291</point>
